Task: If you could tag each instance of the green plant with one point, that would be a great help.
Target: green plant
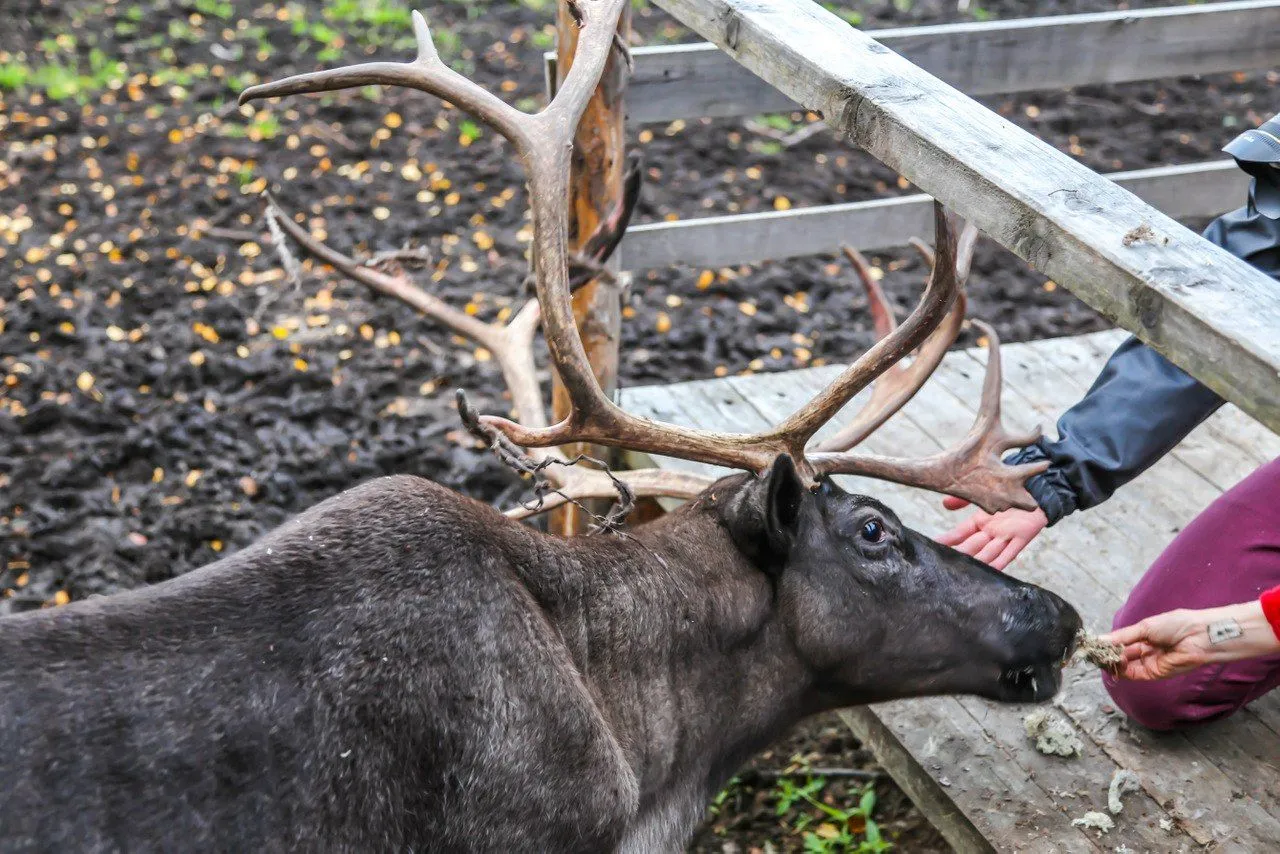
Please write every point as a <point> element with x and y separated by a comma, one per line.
<point>543,39</point>
<point>13,76</point>
<point>779,121</point>
<point>180,30</point>
<point>849,16</point>
<point>765,147</point>
<point>220,9</point>
<point>62,80</point>
<point>718,802</point>
<point>831,829</point>
<point>374,13</point>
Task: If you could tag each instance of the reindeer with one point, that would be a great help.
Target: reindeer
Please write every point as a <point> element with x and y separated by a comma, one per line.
<point>402,668</point>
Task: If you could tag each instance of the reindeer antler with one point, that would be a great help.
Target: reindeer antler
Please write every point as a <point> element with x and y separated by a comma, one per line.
<point>896,386</point>
<point>544,142</point>
<point>512,347</point>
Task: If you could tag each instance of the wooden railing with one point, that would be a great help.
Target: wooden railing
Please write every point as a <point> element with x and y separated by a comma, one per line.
<point>999,57</point>
<point>1206,310</point>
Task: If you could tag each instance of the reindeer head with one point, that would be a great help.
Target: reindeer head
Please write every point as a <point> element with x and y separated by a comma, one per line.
<point>952,624</point>
<point>876,611</point>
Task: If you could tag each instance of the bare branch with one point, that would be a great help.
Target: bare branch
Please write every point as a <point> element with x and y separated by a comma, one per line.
<point>393,286</point>
<point>511,345</point>
<point>582,484</point>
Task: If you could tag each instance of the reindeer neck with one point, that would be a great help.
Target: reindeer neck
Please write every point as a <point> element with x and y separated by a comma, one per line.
<point>682,643</point>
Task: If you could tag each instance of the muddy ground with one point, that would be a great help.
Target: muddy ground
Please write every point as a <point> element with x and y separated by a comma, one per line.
<point>168,395</point>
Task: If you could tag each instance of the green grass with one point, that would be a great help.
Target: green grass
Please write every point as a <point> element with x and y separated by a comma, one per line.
<point>61,80</point>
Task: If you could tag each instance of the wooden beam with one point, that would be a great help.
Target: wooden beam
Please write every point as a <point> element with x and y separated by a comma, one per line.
<point>1204,309</point>
<point>989,58</point>
<point>599,154</point>
<point>1182,192</point>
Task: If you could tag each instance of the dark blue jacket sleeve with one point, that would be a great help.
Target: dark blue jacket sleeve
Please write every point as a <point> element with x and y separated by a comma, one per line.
<point>1141,405</point>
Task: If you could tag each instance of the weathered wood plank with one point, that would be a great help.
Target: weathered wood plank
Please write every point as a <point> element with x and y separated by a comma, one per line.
<point>1267,710</point>
<point>1181,192</point>
<point>994,57</point>
<point>595,187</point>
<point>1206,310</point>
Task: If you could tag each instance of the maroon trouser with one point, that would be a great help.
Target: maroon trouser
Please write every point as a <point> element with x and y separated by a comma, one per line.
<point>1229,554</point>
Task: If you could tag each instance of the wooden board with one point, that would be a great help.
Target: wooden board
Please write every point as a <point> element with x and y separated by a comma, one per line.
<point>1181,192</point>
<point>1206,310</point>
<point>994,57</point>
<point>966,762</point>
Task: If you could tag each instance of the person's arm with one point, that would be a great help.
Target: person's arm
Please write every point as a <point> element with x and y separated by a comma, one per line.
<point>1177,642</point>
<point>1138,409</point>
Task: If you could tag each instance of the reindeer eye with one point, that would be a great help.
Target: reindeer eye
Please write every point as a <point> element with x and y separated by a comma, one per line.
<point>873,531</point>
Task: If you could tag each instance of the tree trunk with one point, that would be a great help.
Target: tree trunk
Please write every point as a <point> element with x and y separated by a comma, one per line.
<point>596,186</point>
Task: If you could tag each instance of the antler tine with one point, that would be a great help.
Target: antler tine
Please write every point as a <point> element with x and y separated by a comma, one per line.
<point>972,468</point>
<point>427,73</point>
<point>895,387</point>
<point>924,250</point>
<point>927,317</point>
<point>599,421</point>
<point>964,252</point>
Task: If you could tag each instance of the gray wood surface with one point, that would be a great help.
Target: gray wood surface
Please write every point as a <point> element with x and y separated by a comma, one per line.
<point>966,762</point>
<point>1181,192</point>
<point>994,57</point>
<point>1206,310</point>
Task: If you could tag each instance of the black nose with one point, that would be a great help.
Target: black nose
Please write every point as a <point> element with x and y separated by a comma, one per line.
<point>1042,638</point>
<point>1066,620</point>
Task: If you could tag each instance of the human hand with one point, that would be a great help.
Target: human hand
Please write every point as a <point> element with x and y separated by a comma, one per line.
<point>1180,641</point>
<point>993,538</point>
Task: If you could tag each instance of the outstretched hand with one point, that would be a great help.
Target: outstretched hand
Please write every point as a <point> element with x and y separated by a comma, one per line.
<point>1162,646</point>
<point>1180,641</point>
<point>993,538</point>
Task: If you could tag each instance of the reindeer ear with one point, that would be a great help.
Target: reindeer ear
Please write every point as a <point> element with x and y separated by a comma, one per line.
<point>765,521</point>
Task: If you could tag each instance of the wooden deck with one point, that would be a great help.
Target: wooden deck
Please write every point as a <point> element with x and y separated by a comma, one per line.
<point>966,762</point>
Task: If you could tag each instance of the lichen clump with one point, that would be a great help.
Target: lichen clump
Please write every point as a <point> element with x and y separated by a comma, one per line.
<point>1122,782</point>
<point>1098,821</point>
<point>1053,736</point>
<point>1101,654</point>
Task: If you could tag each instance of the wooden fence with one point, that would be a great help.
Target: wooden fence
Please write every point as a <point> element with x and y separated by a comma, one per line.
<point>1101,237</point>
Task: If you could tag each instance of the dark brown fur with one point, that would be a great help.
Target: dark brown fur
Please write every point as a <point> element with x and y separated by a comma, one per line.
<point>404,669</point>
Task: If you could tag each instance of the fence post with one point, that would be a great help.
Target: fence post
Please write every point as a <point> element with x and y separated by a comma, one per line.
<point>596,185</point>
